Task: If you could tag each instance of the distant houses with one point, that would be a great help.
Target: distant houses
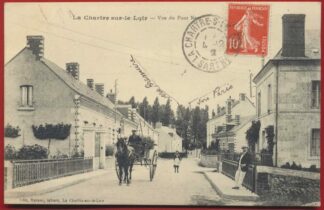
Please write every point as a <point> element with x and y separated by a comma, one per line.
<point>169,140</point>
<point>38,92</point>
<point>231,121</point>
<point>287,102</point>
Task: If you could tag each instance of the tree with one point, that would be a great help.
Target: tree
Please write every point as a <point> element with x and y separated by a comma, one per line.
<point>49,131</point>
<point>213,114</point>
<point>252,134</point>
<point>270,135</point>
<point>155,111</point>
<point>182,124</point>
<point>143,108</point>
<point>196,117</point>
<point>168,115</point>
<point>132,102</point>
<point>161,112</point>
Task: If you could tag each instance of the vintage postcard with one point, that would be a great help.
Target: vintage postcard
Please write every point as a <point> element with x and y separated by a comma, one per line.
<point>162,103</point>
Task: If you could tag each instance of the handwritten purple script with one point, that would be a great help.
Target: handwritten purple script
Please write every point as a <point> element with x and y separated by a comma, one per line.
<point>149,82</point>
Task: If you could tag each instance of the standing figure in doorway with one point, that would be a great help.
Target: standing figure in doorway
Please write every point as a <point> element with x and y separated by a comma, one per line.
<point>243,165</point>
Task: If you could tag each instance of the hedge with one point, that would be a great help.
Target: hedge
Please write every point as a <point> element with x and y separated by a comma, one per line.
<point>170,155</point>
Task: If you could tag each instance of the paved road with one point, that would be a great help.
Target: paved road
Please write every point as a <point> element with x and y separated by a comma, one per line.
<point>188,187</point>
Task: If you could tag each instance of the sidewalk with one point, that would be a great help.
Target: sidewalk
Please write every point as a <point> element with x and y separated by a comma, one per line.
<point>223,186</point>
<point>51,185</point>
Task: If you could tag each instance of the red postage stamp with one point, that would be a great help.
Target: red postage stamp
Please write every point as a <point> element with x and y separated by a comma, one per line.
<point>247,31</point>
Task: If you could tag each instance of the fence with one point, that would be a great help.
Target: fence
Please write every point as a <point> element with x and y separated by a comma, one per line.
<point>230,165</point>
<point>31,171</point>
<point>229,168</point>
<point>264,159</point>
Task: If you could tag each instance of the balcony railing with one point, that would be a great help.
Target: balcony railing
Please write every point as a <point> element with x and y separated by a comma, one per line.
<point>32,171</point>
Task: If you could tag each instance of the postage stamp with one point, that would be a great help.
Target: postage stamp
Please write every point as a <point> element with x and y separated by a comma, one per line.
<point>247,31</point>
<point>204,43</point>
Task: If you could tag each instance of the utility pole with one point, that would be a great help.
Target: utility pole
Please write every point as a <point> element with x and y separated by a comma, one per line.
<point>115,110</point>
<point>115,102</point>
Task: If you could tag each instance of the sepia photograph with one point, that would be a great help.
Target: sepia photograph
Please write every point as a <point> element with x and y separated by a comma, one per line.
<point>162,103</point>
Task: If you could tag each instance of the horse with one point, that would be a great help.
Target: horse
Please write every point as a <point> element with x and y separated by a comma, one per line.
<point>125,159</point>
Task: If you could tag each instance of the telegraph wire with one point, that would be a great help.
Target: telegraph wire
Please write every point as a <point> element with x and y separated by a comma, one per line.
<point>107,41</point>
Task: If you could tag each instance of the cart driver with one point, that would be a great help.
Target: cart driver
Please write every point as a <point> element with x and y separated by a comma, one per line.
<point>135,141</point>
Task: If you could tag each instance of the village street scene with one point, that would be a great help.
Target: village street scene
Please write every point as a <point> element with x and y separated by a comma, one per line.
<point>213,104</point>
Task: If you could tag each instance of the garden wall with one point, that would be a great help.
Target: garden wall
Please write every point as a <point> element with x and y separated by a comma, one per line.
<point>210,161</point>
<point>279,184</point>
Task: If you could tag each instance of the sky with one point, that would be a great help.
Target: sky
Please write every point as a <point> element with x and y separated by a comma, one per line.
<point>103,47</point>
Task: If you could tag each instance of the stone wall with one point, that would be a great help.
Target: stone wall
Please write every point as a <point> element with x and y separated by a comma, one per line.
<point>286,186</point>
<point>210,161</point>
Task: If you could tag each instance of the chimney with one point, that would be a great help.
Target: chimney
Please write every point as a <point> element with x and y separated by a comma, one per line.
<point>129,112</point>
<point>237,119</point>
<point>73,69</point>
<point>218,109</point>
<point>100,88</point>
<point>36,44</point>
<point>134,114</point>
<point>242,96</point>
<point>293,40</point>
<point>90,83</point>
<point>111,96</point>
<point>228,118</point>
<point>229,106</point>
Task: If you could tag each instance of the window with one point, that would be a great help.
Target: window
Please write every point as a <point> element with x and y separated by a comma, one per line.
<point>315,143</point>
<point>259,104</point>
<point>269,98</point>
<point>316,94</point>
<point>170,134</point>
<point>26,92</point>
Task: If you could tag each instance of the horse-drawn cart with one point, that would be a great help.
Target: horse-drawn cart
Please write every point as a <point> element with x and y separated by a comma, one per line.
<point>138,156</point>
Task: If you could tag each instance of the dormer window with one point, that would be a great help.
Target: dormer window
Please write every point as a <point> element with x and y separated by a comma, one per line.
<point>26,93</point>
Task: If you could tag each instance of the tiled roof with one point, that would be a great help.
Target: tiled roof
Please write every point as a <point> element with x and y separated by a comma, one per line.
<point>232,131</point>
<point>76,85</point>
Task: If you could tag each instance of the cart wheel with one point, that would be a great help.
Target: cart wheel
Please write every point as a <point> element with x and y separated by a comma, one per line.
<point>153,164</point>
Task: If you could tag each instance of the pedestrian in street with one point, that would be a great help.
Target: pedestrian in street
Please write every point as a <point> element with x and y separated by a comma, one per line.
<point>243,165</point>
<point>176,162</point>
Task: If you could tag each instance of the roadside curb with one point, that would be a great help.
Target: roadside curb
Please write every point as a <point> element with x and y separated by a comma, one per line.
<point>52,185</point>
<point>228,196</point>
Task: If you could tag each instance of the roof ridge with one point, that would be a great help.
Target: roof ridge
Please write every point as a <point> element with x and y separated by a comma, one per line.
<point>95,97</point>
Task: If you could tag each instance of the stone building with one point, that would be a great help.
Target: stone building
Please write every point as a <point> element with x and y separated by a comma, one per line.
<point>288,95</point>
<point>169,140</point>
<point>37,91</point>
<point>230,122</point>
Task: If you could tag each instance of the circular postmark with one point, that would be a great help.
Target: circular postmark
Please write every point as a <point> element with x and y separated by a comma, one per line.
<point>204,43</point>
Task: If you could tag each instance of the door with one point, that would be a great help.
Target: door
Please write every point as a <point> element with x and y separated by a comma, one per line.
<point>97,145</point>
